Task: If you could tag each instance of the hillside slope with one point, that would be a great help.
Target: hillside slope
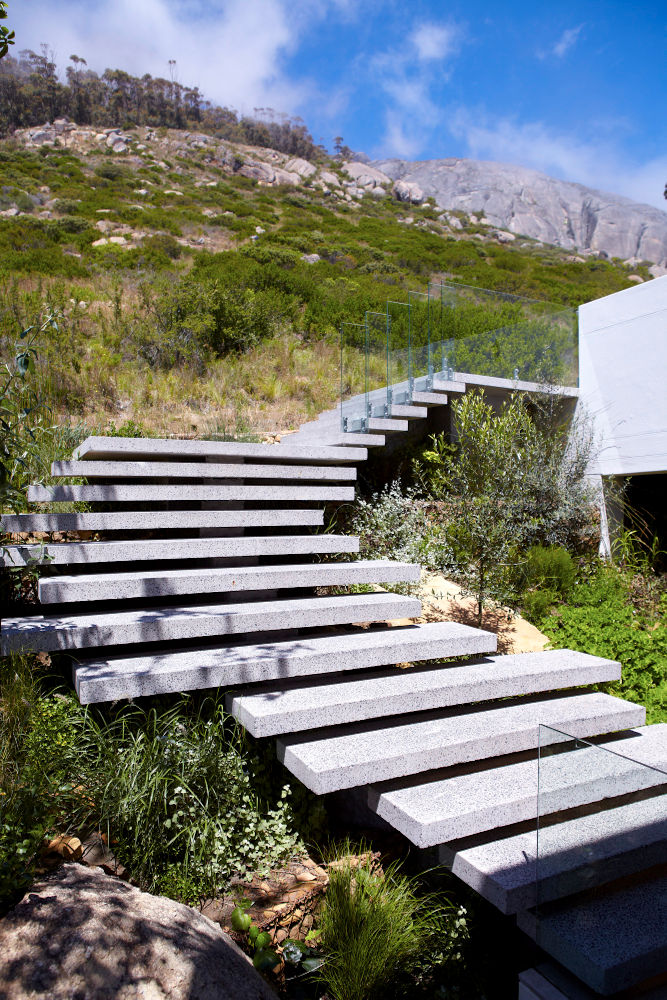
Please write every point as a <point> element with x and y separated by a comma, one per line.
<point>202,282</point>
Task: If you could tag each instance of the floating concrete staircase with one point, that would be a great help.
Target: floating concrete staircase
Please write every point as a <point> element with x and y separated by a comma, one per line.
<point>202,567</point>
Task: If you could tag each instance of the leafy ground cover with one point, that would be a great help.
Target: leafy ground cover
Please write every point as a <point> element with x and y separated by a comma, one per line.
<point>619,612</point>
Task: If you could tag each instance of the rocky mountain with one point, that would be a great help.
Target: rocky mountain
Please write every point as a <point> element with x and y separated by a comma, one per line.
<point>528,203</point>
<point>495,201</point>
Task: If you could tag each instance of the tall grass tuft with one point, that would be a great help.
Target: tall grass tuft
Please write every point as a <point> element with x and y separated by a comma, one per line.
<point>377,929</point>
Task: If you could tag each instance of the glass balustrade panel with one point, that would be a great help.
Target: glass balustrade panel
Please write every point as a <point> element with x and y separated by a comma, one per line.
<point>399,356</point>
<point>601,813</point>
<point>353,376</point>
<point>376,365</point>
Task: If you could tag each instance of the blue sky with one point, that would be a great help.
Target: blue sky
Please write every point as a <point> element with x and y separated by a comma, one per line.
<point>578,90</point>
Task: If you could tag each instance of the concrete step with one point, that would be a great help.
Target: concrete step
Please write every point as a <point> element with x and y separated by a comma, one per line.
<point>460,802</point>
<point>409,412</point>
<point>202,470</point>
<point>81,631</point>
<point>291,707</point>
<point>219,580</point>
<point>167,520</point>
<point>229,666</point>
<point>170,549</point>
<point>361,753</point>
<point>181,493</point>
<point>574,855</point>
<point>154,449</point>
<point>447,385</point>
<point>430,398</point>
<point>612,939</point>
<point>386,424</point>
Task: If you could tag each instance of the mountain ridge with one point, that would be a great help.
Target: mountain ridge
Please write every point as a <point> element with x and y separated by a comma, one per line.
<point>530,203</point>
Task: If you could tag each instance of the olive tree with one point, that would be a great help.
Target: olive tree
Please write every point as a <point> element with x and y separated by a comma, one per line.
<point>513,479</point>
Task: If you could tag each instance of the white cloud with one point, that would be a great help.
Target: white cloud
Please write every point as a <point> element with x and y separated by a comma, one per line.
<point>596,161</point>
<point>233,50</point>
<point>435,41</point>
<point>563,45</point>
<point>408,77</point>
<point>566,41</point>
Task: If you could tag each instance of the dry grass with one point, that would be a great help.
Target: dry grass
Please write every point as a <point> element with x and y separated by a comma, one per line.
<point>273,388</point>
<point>95,378</point>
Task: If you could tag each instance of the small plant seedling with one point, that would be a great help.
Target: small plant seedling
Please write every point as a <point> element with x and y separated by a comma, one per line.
<point>241,921</point>
<point>264,958</point>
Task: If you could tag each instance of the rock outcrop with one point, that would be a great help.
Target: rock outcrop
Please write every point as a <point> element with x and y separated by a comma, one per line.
<point>81,933</point>
<point>528,203</point>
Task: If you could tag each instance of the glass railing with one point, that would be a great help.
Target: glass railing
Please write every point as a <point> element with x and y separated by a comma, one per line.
<point>450,331</point>
<point>601,813</point>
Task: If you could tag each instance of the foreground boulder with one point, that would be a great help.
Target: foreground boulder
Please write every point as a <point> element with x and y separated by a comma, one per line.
<point>81,934</point>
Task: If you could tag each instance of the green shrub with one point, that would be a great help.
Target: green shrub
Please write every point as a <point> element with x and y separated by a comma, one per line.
<point>536,603</point>
<point>112,171</point>
<point>396,525</point>
<point>24,202</point>
<point>549,568</point>
<point>200,316</point>
<point>165,244</point>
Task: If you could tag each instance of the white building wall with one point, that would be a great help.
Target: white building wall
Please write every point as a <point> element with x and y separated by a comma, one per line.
<point>623,377</point>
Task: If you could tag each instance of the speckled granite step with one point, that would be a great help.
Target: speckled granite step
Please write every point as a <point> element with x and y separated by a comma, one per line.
<point>81,631</point>
<point>448,385</point>
<point>408,412</point>
<point>612,939</point>
<point>291,707</point>
<point>460,802</point>
<point>230,665</point>
<point>360,753</point>
<point>387,425</point>
<point>574,854</point>
<point>160,520</point>
<point>185,493</point>
<point>430,398</point>
<point>202,470</point>
<point>154,449</point>
<point>170,549</point>
<point>219,580</point>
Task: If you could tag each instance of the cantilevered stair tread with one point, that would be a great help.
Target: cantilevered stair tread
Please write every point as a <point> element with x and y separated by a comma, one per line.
<point>361,753</point>
<point>448,385</point>
<point>407,411</point>
<point>347,439</point>
<point>160,520</point>
<point>81,631</point>
<point>221,579</point>
<point>430,398</point>
<point>170,549</point>
<point>387,425</point>
<point>229,665</point>
<point>202,470</point>
<point>460,802</point>
<point>574,854</point>
<point>184,493</point>
<point>611,939</point>
<point>96,447</point>
<point>291,707</point>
